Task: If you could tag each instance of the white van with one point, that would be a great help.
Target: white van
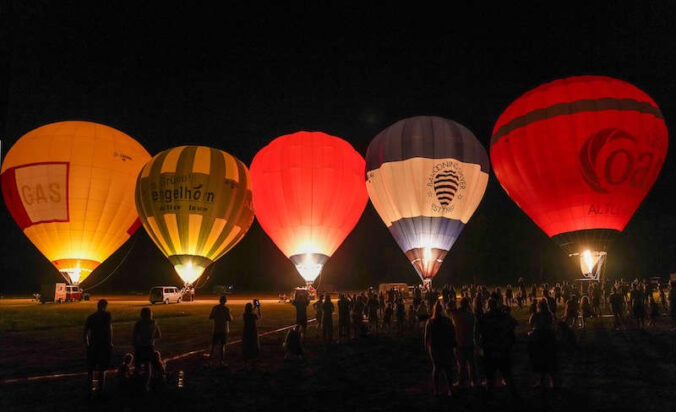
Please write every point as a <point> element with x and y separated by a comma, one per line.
<point>165,294</point>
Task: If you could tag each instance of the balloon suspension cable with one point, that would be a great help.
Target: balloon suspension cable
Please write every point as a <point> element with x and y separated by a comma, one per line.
<point>116,267</point>
<point>204,278</point>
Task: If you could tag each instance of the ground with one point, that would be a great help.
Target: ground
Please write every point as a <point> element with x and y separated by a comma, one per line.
<point>609,370</point>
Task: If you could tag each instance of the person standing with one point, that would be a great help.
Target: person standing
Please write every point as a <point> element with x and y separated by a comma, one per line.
<point>358,316</point>
<point>381,303</point>
<point>343,318</point>
<point>533,293</point>
<point>672,303</point>
<point>596,293</point>
<point>98,339</point>
<point>557,292</point>
<point>301,302</point>
<point>654,309</point>
<point>496,338</point>
<point>143,338</point>
<point>327,321</point>
<point>220,315</point>
<point>400,312</point>
<point>586,309</point>
<point>251,345</point>
<point>663,297</point>
<point>617,307</point>
<point>509,296</point>
<point>387,318</point>
<point>417,297</point>
<point>465,331</point>
<point>439,343</point>
<point>372,312</point>
<point>542,343</point>
<point>551,301</point>
<point>318,305</point>
<point>637,302</point>
<point>572,311</point>
<point>293,345</point>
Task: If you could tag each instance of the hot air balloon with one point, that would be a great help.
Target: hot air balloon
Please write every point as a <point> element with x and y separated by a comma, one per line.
<point>69,186</point>
<point>578,155</point>
<point>195,203</point>
<point>308,192</point>
<point>426,176</point>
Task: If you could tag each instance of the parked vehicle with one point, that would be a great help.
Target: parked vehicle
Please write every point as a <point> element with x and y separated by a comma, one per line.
<point>73,293</point>
<point>403,288</point>
<point>53,292</point>
<point>165,294</point>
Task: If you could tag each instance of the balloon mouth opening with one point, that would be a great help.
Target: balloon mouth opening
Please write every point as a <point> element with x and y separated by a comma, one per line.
<point>592,262</point>
<point>75,270</point>
<point>189,267</point>
<point>189,273</point>
<point>426,261</point>
<point>73,275</point>
<point>309,265</point>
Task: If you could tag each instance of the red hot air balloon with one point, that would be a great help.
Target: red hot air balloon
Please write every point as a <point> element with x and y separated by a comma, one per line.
<point>308,194</point>
<point>578,155</point>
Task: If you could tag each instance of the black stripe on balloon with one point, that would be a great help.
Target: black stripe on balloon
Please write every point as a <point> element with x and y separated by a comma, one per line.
<point>446,180</point>
<point>439,187</point>
<point>454,177</point>
<point>578,106</point>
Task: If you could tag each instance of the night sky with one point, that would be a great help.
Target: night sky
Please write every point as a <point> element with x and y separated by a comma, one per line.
<point>173,74</point>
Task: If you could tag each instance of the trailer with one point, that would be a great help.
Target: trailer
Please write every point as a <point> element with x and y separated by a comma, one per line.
<point>53,292</point>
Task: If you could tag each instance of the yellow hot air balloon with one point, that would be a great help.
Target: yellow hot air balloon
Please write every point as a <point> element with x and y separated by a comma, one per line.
<point>70,187</point>
<point>195,203</point>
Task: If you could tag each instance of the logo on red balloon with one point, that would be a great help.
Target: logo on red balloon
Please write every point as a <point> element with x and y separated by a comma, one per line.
<point>613,157</point>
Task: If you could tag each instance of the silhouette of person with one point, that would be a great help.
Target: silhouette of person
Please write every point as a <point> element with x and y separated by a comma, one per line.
<point>542,343</point>
<point>439,343</point>
<point>250,341</point>
<point>220,315</point>
<point>496,337</point>
<point>637,300</point>
<point>327,321</point>
<point>143,339</point>
<point>465,330</point>
<point>293,345</point>
<point>343,317</point>
<point>301,302</point>
<point>318,311</point>
<point>98,333</point>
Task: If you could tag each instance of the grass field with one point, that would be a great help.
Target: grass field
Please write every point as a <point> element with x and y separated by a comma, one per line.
<point>609,370</point>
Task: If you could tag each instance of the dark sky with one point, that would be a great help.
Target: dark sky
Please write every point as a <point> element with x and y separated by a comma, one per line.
<point>235,78</point>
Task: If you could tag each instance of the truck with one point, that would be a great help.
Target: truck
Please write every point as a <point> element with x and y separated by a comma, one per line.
<point>403,288</point>
<point>53,292</point>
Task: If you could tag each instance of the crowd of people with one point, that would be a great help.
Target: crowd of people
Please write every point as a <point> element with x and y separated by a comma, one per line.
<point>468,332</point>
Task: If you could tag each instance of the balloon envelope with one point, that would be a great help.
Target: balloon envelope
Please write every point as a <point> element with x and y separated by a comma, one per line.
<point>69,186</point>
<point>425,177</point>
<point>308,193</point>
<point>195,203</point>
<point>578,155</point>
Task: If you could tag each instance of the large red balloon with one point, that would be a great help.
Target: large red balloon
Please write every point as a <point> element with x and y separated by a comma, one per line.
<point>578,155</point>
<point>308,194</point>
